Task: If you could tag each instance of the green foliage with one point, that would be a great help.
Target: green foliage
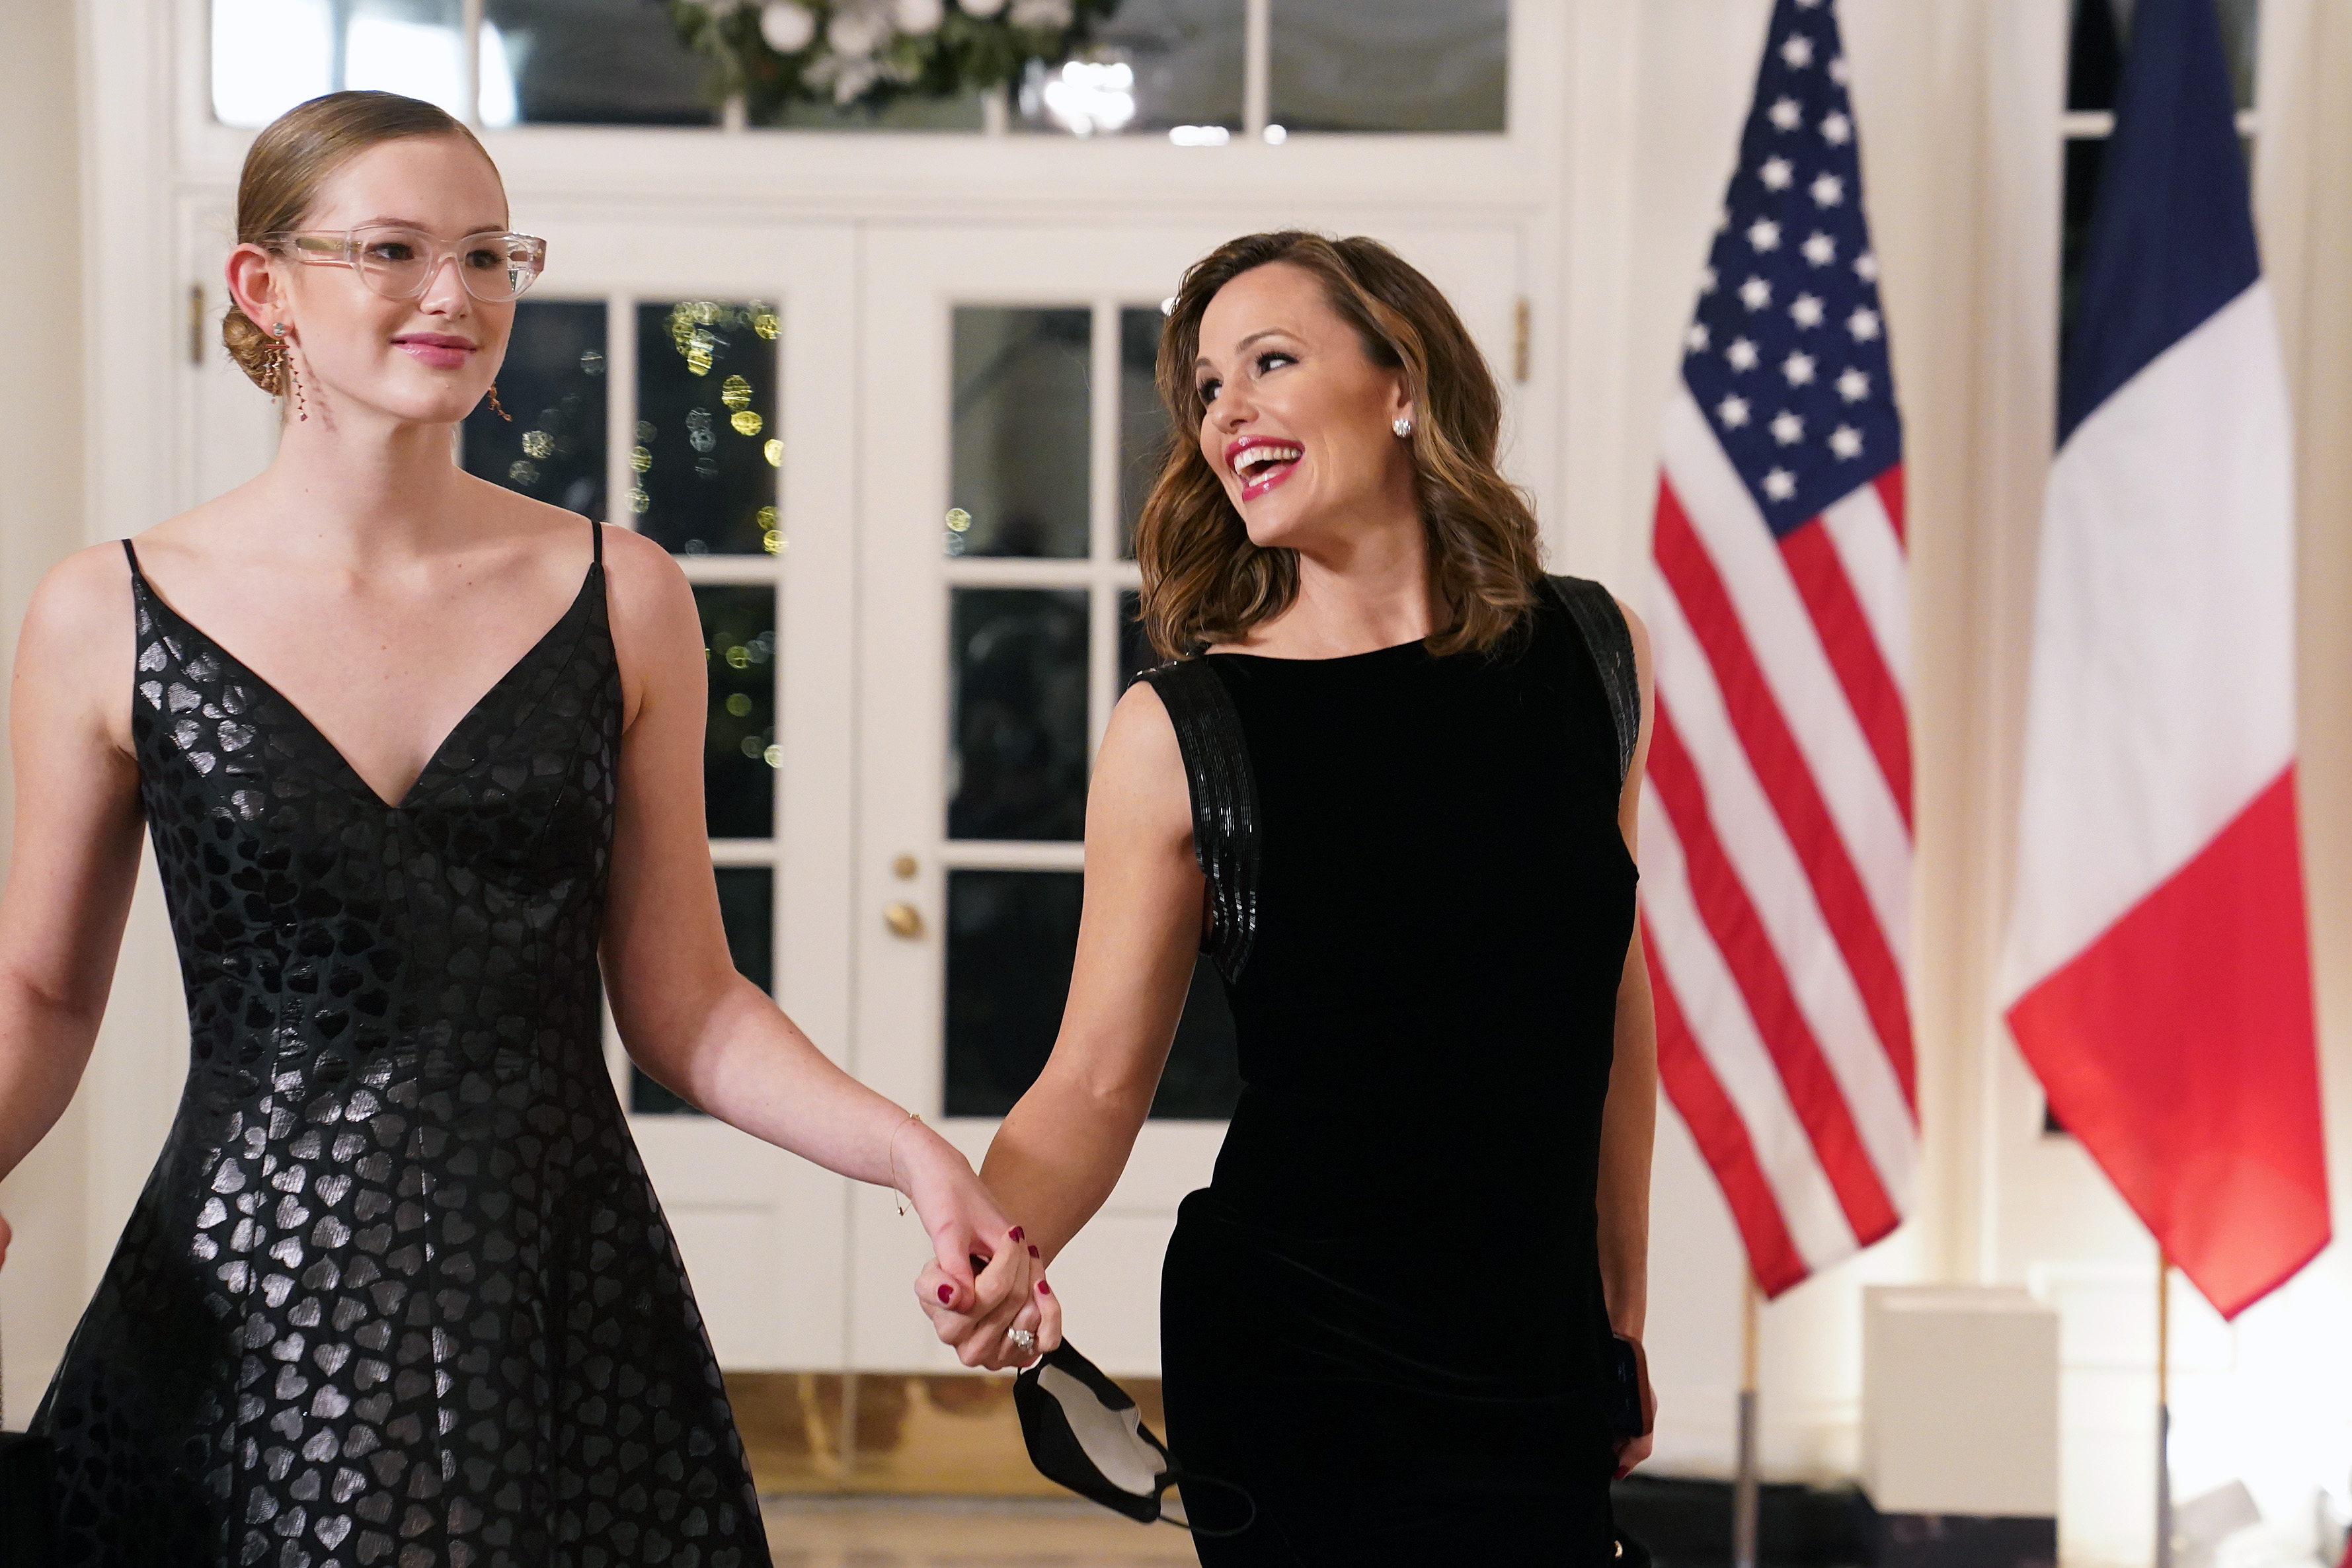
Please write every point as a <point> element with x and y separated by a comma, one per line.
<point>963,54</point>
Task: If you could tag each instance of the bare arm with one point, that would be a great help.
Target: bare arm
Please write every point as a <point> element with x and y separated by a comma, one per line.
<point>74,859</point>
<point>1060,1150</point>
<point>686,1016</point>
<point>1628,1122</point>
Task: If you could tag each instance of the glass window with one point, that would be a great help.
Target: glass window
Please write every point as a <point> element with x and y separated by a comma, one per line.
<point>1142,422</point>
<point>2102,28</point>
<point>1012,939</point>
<point>2100,35</point>
<point>269,55</point>
<point>1018,464</point>
<point>590,62</point>
<point>1155,65</point>
<point>552,383</point>
<point>740,751</point>
<point>967,112</point>
<point>707,447</point>
<point>746,906</point>
<point>1389,65</point>
<point>1018,758</point>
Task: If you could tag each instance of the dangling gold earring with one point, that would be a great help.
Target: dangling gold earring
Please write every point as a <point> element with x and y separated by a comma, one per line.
<point>501,413</point>
<point>282,372</point>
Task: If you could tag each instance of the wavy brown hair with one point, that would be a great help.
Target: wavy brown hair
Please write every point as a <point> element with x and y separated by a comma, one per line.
<point>1206,583</point>
<point>283,168</point>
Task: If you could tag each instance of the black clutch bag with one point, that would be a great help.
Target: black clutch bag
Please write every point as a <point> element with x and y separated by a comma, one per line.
<point>25,1469</point>
<point>1623,1389</point>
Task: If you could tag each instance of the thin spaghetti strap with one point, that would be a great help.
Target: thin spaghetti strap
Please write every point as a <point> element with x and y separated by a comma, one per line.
<point>595,537</point>
<point>136,575</point>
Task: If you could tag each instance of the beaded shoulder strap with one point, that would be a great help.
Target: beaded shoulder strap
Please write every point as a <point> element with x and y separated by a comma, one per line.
<point>1610,643</point>
<point>1224,803</point>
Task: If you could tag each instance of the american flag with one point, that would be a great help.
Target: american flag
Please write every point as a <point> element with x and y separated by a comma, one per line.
<point>1776,814</point>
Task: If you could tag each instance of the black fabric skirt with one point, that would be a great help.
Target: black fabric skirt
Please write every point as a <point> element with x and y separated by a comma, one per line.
<point>1367,1424</point>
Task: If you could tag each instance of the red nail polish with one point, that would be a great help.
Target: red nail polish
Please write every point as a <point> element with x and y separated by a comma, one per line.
<point>1017,1233</point>
<point>947,1294</point>
<point>1043,1288</point>
<point>1033,1252</point>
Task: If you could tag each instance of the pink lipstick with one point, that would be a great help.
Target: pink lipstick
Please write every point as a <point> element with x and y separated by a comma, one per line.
<point>1261,462</point>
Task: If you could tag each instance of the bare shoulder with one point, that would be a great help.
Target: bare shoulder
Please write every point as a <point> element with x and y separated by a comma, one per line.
<point>88,590</point>
<point>1139,784</point>
<point>1639,632</point>
<point>79,637</point>
<point>646,585</point>
<point>657,633</point>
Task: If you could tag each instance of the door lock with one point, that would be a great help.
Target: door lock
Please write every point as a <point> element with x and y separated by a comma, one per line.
<point>904,919</point>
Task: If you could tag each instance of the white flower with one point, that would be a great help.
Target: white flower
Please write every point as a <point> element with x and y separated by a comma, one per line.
<point>787,28</point>
<point>919,16</point>
<point>1041,12</point>
<point>983,9</point>
<point>857,34</point>
<point>851,75</point>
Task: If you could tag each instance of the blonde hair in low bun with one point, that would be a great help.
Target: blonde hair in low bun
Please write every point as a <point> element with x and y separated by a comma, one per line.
<point>293,156</point>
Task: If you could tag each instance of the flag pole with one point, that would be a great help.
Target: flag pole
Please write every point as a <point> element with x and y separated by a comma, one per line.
<point>2163,1408</point>
<point>1743,1489</point>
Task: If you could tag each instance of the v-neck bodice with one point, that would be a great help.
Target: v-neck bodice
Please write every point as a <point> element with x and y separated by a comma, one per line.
<point>454,752</point>
<point>398,1289</point>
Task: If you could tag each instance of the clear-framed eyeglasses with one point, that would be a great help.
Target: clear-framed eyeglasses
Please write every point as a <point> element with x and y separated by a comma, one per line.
<point>398,262</point>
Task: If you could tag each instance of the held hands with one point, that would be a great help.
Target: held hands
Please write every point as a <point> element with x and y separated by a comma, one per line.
<point>985,1281</point>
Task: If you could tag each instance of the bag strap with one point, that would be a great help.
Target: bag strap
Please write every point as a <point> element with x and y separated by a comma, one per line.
<point>1609,641</point>
<point>1224,803</point>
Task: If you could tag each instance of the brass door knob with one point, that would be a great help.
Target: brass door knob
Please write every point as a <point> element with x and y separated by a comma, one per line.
<point>904,919</point>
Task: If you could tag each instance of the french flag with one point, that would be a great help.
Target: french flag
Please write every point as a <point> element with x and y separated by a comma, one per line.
<point>2156,969</point>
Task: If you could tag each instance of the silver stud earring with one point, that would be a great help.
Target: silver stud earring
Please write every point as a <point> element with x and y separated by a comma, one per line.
<point>1402,425</point>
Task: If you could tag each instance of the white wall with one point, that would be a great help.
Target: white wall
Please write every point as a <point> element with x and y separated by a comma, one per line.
<point>41,373</point>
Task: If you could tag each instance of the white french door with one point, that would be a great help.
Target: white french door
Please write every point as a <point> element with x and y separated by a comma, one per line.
<point>724,418</point>
<point>1008,418</point>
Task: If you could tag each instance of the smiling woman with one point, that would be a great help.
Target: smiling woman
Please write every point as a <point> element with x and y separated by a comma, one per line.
<point>1208,576</point>
<point>420,774</point>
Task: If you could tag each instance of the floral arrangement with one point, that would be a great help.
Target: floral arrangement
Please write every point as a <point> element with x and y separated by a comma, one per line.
<point>867,52</point>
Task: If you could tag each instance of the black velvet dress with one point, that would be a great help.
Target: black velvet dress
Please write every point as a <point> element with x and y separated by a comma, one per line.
<point>1383,1318</point>
<point>397,1292</point>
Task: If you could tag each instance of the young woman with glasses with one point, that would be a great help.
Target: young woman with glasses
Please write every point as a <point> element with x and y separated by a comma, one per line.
<point>1387,783</point>
<point>420,758</point>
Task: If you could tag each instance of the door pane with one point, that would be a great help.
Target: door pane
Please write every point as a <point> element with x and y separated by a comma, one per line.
<point>590,62</point>
<point>1017,759</point>
<point>1019,452</point>
<point>1389,64</point>
<point>1142,421</point>
<point>746,904</point>
<point>740,753</point>
<point>1135,653</point>
<point>707,447</point>
<point>1012,940</point>
<point>1203,1081</point>
<point>552,383</point>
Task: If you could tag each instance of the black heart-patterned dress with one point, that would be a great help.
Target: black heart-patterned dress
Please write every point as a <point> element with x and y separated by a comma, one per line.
<point>398,1291</point>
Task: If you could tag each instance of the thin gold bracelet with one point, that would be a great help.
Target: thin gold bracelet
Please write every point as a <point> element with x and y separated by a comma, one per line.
<point>893,1152</point>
